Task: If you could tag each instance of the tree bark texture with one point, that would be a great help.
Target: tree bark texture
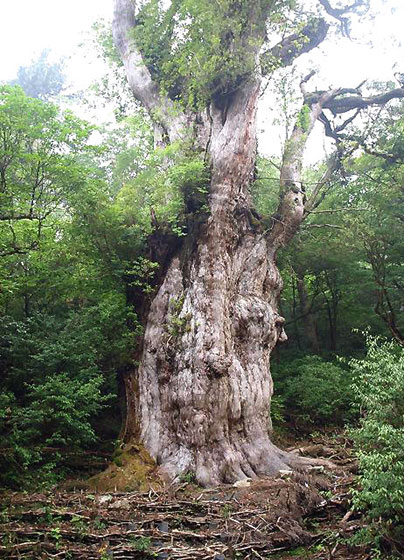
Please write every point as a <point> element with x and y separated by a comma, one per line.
<point>204,378</point>
<point>200,398</point>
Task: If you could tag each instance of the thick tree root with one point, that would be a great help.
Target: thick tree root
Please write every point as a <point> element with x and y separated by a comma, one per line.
<point>184,522</point>
<point>217,466</point>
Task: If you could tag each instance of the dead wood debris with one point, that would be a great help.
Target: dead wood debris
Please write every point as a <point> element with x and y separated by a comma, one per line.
<point>184,523</point>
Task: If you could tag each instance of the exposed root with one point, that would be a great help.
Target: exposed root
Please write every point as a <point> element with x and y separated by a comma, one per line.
<point>227,464</point>
<point>307,463</point>
<point>268,517</point>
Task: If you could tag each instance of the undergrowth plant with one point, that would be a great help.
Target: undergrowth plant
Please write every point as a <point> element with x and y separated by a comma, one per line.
<point>379,391</point>
<point>314,391</point>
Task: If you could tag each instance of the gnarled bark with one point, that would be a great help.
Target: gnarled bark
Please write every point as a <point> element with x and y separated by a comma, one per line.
<point>205,386</point>
<point>200,398</point>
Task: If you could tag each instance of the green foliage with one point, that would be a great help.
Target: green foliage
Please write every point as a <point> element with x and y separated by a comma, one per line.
<point>66,330</point>
<point>188,477</point>
<point>303,118</point>
<point>265,188</point>
<point>60,373</point>
<point>172,187</point>
<point>142,544</point>
<point>379,392</point>
<point>60,410</point>
<point>376,187</point>
<point>201,50</point>
<point>277,411</point>
<point>330,287</point>
<point>40,167</point>
<point>177,322</point>
<point>112,88</point>
<point>128,148</point>
<point>314,391</point>
<point>74,245</point>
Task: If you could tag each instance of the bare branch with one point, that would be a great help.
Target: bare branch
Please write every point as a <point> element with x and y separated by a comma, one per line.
<point>286,51</point>
<point>334,226</point>
<point>338,105</point>
<point>340,13</point>
<point>18,217</point>
<point>342,126</point>
<point>337,210</point>
<point>304,82</point>
<point>18,251</point>
<point>328,128</point>
<point>320,191</point>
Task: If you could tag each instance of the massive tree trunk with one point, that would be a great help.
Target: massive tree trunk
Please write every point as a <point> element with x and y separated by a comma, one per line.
<point>200,398</point>
<point>204,378</point>
<point>204,385</point>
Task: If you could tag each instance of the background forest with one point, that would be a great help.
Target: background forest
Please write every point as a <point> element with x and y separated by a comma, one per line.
<point>83,211</point>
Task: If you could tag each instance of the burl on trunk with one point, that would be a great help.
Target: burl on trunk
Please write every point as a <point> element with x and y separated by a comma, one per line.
<point>200,398</point>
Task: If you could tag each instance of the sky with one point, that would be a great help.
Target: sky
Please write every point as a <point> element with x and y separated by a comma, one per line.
<point>29,26</point>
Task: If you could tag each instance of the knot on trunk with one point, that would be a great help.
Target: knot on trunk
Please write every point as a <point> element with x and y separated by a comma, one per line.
<point>218,364</point>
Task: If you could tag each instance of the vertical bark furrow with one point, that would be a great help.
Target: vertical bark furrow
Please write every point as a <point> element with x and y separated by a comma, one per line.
<point>204,380</point>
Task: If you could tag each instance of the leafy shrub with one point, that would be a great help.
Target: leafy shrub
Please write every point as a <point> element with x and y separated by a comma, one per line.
<point>379,390</point>
<point>173,184</point>
<point>59,372</point>
<point>314,391</point>
<point>277,411</point>
<point>58,413</point>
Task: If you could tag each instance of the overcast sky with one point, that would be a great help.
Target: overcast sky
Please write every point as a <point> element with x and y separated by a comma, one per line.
<point>29,26</point>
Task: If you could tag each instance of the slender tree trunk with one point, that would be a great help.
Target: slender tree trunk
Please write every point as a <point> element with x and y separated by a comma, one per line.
<point>332,309</point>
<point>308,317</point>
<point>294,314</point>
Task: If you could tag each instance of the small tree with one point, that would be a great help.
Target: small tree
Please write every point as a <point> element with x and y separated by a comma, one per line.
<point>41,79</point>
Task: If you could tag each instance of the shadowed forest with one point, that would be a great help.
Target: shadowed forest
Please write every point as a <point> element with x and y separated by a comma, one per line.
<point>152,267</point>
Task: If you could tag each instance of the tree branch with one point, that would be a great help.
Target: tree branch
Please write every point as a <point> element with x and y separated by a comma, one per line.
<point>338,105</point>
<point>16,217</point>
<point>334,226</point>
<point>286,51</point>
<point>390,158</point>
<point>340,13</point>
<point>145,90</point>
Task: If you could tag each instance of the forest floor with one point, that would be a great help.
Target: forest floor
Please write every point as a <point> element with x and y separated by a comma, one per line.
<point>286,517</point>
